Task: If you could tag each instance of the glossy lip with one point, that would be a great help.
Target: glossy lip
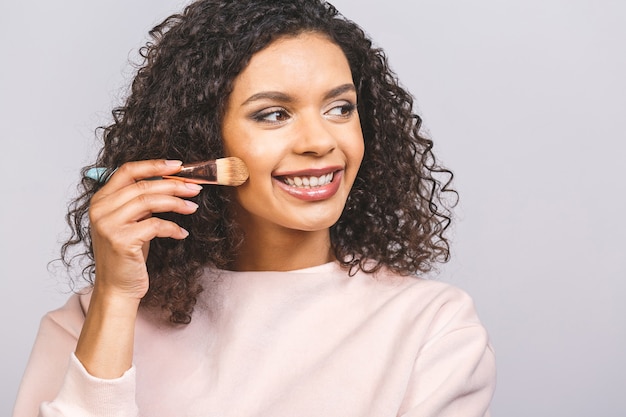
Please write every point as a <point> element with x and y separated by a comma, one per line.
<point>311,194</point>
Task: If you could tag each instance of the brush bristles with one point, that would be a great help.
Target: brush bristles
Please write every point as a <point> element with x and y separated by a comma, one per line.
<point>231,171</point>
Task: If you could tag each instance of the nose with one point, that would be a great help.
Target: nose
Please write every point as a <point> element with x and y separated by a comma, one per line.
<point>315,136</point>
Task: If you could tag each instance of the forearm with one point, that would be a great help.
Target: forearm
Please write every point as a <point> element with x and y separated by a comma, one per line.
<point>105,345</point>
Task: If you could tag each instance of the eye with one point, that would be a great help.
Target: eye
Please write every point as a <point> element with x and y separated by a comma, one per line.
<point>271,115</point>
<point>344,111</point>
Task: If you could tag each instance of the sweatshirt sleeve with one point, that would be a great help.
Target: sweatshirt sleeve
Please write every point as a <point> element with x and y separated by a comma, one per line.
<point>454,373</point>
<point>83,395</point>
<point>55,384</point>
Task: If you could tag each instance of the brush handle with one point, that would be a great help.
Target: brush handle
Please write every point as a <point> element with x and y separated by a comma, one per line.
<point>198,173</point>
<point>100,174</point>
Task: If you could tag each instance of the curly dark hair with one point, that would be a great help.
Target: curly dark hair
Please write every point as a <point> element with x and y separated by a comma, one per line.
<point>396,213</point>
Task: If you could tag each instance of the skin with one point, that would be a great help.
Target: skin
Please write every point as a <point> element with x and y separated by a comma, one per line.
<point>292,113</point>
<point>122,227</point>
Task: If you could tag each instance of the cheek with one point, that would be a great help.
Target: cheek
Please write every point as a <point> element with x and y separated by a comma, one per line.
<point>260,161</point>
<point>356,150</point>
<point>355,158</point>
<point>256,149</point>
<point>259,184</point>
<point>357,143</point>
<point>360,150</point>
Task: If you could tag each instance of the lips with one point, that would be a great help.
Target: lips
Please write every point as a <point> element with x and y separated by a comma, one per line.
<point>311,185</point>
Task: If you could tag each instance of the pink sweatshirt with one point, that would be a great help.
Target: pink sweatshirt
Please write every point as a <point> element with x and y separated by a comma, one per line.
<point>313,342</point>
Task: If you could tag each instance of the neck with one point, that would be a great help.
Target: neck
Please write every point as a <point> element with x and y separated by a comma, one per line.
<point>286,250</point>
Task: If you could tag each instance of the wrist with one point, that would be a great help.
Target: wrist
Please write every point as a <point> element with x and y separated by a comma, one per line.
<point>114,301</point>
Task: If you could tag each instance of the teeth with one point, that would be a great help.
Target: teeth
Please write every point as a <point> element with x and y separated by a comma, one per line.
<point>309,182</point>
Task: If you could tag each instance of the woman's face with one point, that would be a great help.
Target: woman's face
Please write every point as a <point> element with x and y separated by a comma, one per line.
<point>292,118</point>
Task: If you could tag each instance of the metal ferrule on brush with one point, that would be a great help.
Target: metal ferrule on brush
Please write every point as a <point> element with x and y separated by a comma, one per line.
<point>199,173</point>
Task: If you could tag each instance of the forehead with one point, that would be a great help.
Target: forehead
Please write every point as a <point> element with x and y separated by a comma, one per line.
<point>305,61</point>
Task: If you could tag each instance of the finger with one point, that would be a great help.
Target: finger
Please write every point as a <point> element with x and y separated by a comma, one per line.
<point>102,205</point>
<point>132,172</point>
<point>129,239</point>
<point>148,229</point>
<point>128,248</point>
<point>143,206</point>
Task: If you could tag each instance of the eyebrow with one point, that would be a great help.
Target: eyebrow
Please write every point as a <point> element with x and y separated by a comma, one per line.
<point>284,98</point>
<point>337,91</point>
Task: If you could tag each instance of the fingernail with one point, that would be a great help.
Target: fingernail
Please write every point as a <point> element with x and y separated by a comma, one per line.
<point>193,186</point>
<point>185,232</point>
<point>173,162</point>
<point>191,204</point>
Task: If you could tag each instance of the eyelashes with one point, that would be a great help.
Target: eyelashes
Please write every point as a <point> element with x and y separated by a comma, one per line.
<point>278,115</point>
<point>272,115</point>
<point>345,110</point>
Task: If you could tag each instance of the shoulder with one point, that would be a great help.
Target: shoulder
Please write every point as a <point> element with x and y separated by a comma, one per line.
<point>428,292</point>
<point>421,300</point>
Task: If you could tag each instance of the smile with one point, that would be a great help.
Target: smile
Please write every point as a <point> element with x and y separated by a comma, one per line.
<point>309,181</point>
<point>314,186</point>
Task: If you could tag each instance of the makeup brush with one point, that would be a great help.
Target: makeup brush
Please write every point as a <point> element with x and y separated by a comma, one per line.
<point>224,171</point>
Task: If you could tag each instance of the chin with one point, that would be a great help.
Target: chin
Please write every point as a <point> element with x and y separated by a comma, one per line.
<point>312,225</point>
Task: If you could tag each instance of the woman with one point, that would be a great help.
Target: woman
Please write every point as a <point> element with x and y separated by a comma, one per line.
<point>294,294</point>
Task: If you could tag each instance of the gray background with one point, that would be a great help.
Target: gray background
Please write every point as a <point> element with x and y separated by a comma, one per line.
<point>526,101</point>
